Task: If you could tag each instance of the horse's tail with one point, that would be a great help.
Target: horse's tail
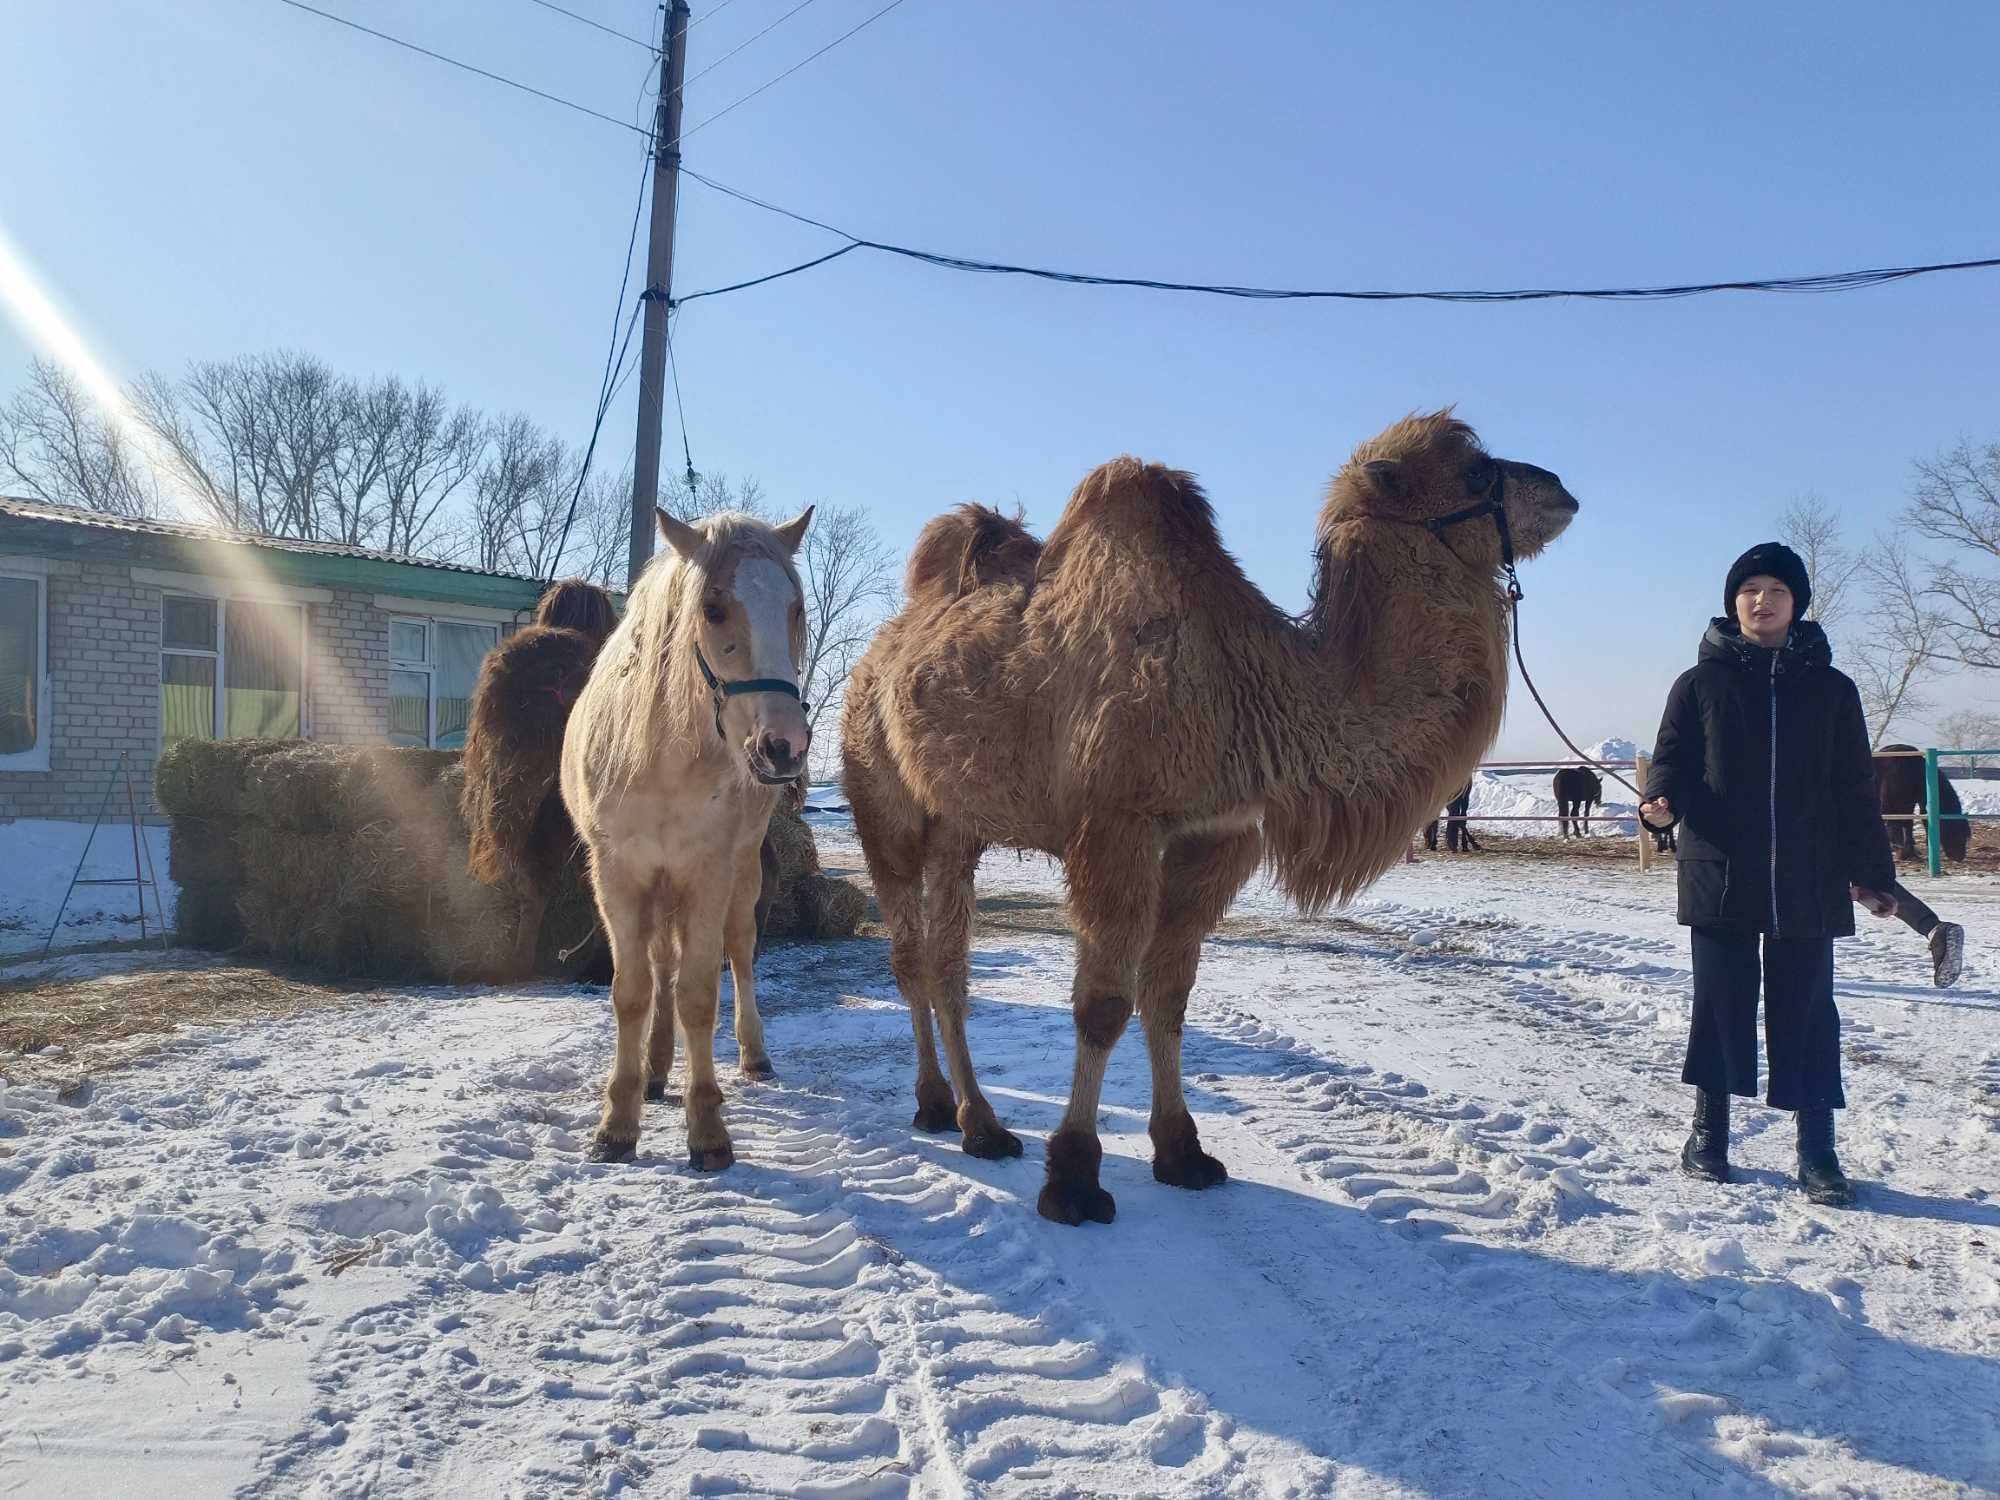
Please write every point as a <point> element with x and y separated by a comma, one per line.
<point>966,549</point>
<point>1955,835</point>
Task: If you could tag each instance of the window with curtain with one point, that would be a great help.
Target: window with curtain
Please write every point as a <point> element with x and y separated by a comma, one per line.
<point>433,665</point>
<point>20,665</point>
<point>230,669</point>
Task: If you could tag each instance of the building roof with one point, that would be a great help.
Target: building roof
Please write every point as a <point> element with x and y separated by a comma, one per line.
<point>60,530</point>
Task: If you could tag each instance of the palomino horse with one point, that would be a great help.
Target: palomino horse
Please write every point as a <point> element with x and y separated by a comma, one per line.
<point>689,725</point>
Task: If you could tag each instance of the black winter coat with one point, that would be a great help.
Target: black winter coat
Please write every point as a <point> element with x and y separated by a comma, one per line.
<point>1764,758</point>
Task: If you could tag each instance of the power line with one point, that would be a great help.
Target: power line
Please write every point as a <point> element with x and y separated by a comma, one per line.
<point>623,36</point>
<point>674,366</point>
<point>512,83</point>
<point>713,10</point>
<point>614,359</point>
<point>791,70</point>
<point>1836,281</point>
<point>741,45</point>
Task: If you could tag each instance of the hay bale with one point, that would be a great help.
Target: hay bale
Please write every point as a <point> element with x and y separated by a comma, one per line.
<point>298,789</point>
<point>205,916</point>
<point>792,842</point>
<point>391,781</point>
<point>202,851</point>
<point>205,778</point>
<point>834,907</point>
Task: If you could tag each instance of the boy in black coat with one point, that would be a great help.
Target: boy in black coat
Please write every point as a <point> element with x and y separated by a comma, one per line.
<point>1763,759</point>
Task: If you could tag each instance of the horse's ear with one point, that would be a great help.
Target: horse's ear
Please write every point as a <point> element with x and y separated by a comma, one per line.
<point>794,531</point>
<point>686,540</point>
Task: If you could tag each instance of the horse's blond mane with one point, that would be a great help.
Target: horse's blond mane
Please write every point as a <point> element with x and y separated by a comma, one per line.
<point>655,703</point>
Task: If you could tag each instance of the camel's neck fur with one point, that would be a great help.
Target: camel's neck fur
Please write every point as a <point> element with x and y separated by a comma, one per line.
<point>1387,694</point>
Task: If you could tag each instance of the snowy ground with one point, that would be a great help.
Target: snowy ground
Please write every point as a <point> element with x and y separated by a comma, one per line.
<point>360,1252</point>
<point>37,858</point>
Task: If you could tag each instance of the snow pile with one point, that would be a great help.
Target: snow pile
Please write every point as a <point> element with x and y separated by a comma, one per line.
<point>1498,794</point>
<point>1611,751</point>
<point>37,858</point>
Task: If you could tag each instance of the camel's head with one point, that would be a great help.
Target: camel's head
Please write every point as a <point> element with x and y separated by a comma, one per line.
<point>749,630</point>
<point>1431,472</point>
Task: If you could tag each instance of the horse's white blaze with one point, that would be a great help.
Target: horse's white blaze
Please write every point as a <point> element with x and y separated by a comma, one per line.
<point>766,593</point>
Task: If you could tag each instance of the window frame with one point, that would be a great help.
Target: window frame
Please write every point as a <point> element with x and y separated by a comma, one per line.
<point>429,665</point>
<point>220,655</point>
<point>36,756</point>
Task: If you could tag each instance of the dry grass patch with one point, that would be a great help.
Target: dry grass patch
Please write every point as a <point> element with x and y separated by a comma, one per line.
<point>61,1027</point>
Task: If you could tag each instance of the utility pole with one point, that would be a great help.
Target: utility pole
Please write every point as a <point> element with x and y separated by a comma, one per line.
<point>659,285</point>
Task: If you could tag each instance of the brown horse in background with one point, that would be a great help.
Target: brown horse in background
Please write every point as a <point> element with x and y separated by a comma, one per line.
<point>1899,784</point>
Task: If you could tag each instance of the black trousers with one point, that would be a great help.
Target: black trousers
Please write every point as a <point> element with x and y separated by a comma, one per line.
<point>1801,1026</point>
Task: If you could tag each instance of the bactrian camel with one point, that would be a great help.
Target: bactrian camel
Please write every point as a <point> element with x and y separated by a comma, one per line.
<point>1125,699</point>
<point>690,723</point>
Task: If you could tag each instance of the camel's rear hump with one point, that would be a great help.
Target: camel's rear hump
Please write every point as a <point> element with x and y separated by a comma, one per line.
<point>969,548</point>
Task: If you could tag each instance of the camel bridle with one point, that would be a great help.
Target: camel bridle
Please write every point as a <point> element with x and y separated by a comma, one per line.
<point>1495,505</point>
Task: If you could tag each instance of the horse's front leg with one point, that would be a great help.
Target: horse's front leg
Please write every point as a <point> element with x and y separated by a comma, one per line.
<point>629,911</point>
<point>741,941</point>
<point>697,984</point>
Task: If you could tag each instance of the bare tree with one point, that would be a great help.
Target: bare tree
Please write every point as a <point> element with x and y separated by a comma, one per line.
<point>1812,528</point>
<point>850,583</point>
<point>1956,502</point>
<point>1971,729</point>
<point>260,439</point>
<point>433,449</point>
<point>600,541</point>
<point>520,494</point>
<point>1893,657</point>
<point>709,495</point>
<point>57,448</point>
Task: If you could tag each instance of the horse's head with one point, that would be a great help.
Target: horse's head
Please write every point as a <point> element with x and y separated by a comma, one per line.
<point>749,635</point>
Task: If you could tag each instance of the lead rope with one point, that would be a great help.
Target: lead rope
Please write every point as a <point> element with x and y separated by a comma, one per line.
<point>1514,596</point>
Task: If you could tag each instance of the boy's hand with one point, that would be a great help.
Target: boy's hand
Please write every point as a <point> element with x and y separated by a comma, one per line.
<point>1879,903</point>
<point>1658,813</point>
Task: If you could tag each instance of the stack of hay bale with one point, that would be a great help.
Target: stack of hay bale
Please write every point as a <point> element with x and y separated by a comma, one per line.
<point>351,860</point>
<point>809,903</point>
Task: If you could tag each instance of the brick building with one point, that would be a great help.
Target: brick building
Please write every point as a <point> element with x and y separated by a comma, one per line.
<point>125,635</point>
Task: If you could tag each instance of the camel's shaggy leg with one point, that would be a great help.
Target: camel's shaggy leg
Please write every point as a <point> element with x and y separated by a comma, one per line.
<point>530,905</point>
<point>895,858</point>
<point>660,1039</point>
<point>629,911</point>
<point>1114,901</point>
<point>948,908</point>
<point>1200,876</point>
<point>697,994</point>
<point>741,939</point>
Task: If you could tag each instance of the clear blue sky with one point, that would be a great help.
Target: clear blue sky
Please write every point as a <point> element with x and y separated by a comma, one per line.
<point>216,178</point>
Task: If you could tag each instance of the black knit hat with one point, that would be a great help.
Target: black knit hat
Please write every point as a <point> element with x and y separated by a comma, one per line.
<point>1776,560</point>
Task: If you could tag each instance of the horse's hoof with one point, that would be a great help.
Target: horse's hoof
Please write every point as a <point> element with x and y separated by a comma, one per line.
<point>604,1148</point>
<point>1196,1169</point>
<point>936,1116</point>
<point>759,1071</point>
<point>995,1144</point>
<point>1072,1202</point>
<point>656,1092</point>
<point>711,1158</point>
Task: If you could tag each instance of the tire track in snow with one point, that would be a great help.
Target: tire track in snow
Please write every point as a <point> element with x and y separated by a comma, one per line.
<point>835,1316</point>
<point>1428,1165</point>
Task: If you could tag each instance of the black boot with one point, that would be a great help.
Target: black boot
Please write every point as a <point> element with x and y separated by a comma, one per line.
<point>1947,954</point>
<point>1706,1154</point>
<point>1819,1168</point>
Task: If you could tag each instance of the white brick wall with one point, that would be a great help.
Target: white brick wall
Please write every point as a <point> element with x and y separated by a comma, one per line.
<point>104,689</point>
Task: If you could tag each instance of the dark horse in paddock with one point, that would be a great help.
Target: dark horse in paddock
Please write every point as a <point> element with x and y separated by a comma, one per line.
<point>520,833</point>
<point>1577,791</point>
<point>1899,782</point>
<point>1457,834</point>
